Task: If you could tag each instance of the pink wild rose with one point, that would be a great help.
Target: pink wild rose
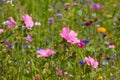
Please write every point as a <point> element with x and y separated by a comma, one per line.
<point>1,31</point>
<point>44,53</point>
<point>11,23</point>
<point>28,21</point>
<point>91,62</point>
<point>69,35</point>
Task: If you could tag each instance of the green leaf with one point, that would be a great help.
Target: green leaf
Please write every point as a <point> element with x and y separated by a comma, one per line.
<point>79,13</point>
<point>90,49</point>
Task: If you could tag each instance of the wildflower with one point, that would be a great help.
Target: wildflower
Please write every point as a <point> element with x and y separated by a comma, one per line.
<point>1,31</point>
<point>37,24</point>
<point>70,76</point>
<point>109,36</point>
<point>37,76</point>
<point>112,78</point>
<point>85,41</point>
<point>111,45</point>
<point>100,77</point>
<point>45,53</point>
<point>87,24</point>
<point>29,38</point>
<point>58,11</point>
<point>114,57</point>
<point>104,35</point>
<point>66,72</point>
<point>47,42</point>
<point>69,35</point>
<point>10,23</point>
<point>96,6</point>
<point>59,71</point>
<point>108,58</point>
<point>91,62</point>
<point>59,15</point>
<point>109,16</point>
<point>28,21</point>
<point>74,4</point>
<point>101,29</point>
<point>26,46</point>
<point>8,43</point>
<point>105,63</point>
<point>39,48</point>
<point>81,44</point>
<point>81,62</point>
<point>51,20</point>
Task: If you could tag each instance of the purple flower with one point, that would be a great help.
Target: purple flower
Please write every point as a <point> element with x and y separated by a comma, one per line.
<point>59,15</point>
<point>87,24</point>
<point>104,35</point>
<point>51,20</point>
<point>111,43</point>
<point>8,43</point>
<point>96,6</point>
<point>108,58</point>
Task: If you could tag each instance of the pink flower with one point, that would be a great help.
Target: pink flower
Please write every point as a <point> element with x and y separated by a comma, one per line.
<point>112,46</point>
<point>69,35</point>
<point>29,38</point>
<point>1,31</point>
<point>96,6</point>
<point>11,23</point>
<point>28,21</point>
<point>59,71</point>
<point>81,44</point>
<point>91,62</point>
<point>44,53</point>
<point>37,76</point>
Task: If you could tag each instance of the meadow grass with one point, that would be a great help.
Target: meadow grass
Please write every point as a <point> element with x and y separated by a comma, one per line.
<point>20,63</point>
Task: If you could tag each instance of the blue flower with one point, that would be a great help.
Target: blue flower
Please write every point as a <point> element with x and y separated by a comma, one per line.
<point>81,62</point>
<point>39,48</point>
<point>58,11</point>
<point>26,46</point>
<point>86,41</point>
<point>47,42</point>
<point>112,79</point>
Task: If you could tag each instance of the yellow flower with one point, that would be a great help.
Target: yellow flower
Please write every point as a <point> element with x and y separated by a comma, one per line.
<point>109,16</point>
<point>100,77</point>
<point>109,36</point>
<point>101,29</point>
